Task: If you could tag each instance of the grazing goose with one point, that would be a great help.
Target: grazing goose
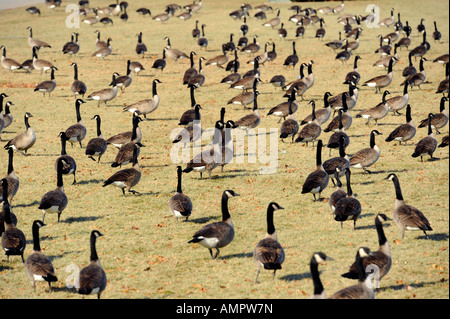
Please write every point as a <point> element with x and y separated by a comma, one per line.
<point>426,145</point>
<point>203,41</point>
<point>292,59</point>
<point>13,239</point>
<point>96,146</point>
<point>380,258</point>
<point>444,84</point>
<point>403,132</point>
<point>141,48</point>
<point>105,95</point>
<point>334,140</point>
<point>208,159</point>
<point>128,177</point>
<point>55,201</point>
<point>40,64</point>
<point>274,21</point>
<point>439,120</point>
<point>347,208</point>
<point>192,71</point>
<point>444,142</point>
<point>442,59</point>
<point>23,141</point>
<point>104,52</point>
<point>311,131</point>
<point>316,181</point>
<point>11,178</point>
<point>8,63</point>
<point>219,234</point>
<point>346,117</point>
<point>316,259</point>
<point>124,81</point>
<point>38,266</point>
<point>160,63</point>
<point>339,163</point>
<point>366,157</point>
<point>32,42</point>
<point>72,47</point>
<point>144,11</point>
<point>136,67</point>
<point>70,166</point>
<point>146,106</point>
<point>269,253</point>
<point>377,112</point>
<point>193,132</point>
<point>407,217</point>
<point>92,278</point>
<point>338,194</point>
<point>199,79</point>
<point>219,60</point>
<point>180,205</point>
<point>77,132</point>
<point>278,81</point>
<point>282,109</point>
<point>381,81</point>
<point>418,78</point>
<point>134,135</point>
<point>323,114</point>
<point>353,75</point>
<point>77,87</point>
<point>163,17</point>
<point>252,120</point>
<point>364,288</point>
<point>290,125</point>
<point>47,86</point>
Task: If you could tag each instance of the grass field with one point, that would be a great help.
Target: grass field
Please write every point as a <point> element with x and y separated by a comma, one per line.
<point>144,250</point>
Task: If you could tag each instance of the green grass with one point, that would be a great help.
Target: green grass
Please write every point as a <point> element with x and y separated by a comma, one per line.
<point>144,251</point>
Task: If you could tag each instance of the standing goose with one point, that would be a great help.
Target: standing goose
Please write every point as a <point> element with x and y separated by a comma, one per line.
<point>196,31</point>
<point>128,177</point>
<point>316,181</point>
<point>136,67</point>
<point>40,64</point>
<point>380,258</point>
<point>124,81</point>
<point>92,278</point>
<point>346,117</point>
<point>269,253</point>
<point>439,120</point>
<point>345,55</point>
<point>199,79</point>
<point>13,239</point>
<point>8,63</point>
<point>134,135</point>
<point>104,52</point>
<point>105,95</point>
<point>444,84</point>
<point>2,119</point>
<point>292,59</point>
<point>422,49</point>
<point>7,116</point>
<point>174,53</point>
<point>381,81</point>
<point>72,47</point>
<point>338,194</point>
<point>245,98</point>
<point>126,150</point>
<point>92,20</point>
<point>180,205</point>
<point>353,75</point>
<point>203,41</point>
<point>227,144</point>
<point>384,61</point>
<point>437,35</point>
<point>23,141</point>
<point>320,33</point>
<point>290,125</point>
<point>219,60</point>
<point>335,138</point>
<point>55,201</point>
<point>444,141</point>
<point>405,42</point>
<point>160,63</point>
<point>316,259</point>
<point>274,21</point>
<point>282,109</point>
<point>96,146</point>
<point>99,44</point>
<point>426,145</point>
<point>141,48</point>
<point>417,79</point>
<point>272,55</point>
<point>340,163</point>
<point>77,132</point>
<point>398,102</point>
<point>77,87</point>
<point>251,120</point>
<point>323,114</point>
<point>336,44</point>
<point>403,132</point>
<point>47,86</point>
<point>282,32</point>
<point>347,208</point>
<point>253,47</point>
<point>366,157</point>
<point>311,131</point>
<point>38,266</point>
<point>70,166</point>
<point>192,71</point>
<point>188,116</point>
<point>32,42</point>
<point>11,178</point>
<point>219,234</point>
<point>193,132</point>
<point>388,21</point>
<point>233,65</point>
<point>364,288</point>
<point>377,112</point>
<point>407,217</point>
<point>146,106</point>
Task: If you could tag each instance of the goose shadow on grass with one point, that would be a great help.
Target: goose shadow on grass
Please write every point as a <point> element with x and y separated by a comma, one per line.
<point>202,220</point>
<point>70,220</point>
<point>28,205</point>
<point>296,277</point>
<point>415,285</point>
<point>239,255</point>
<point>89,181</point>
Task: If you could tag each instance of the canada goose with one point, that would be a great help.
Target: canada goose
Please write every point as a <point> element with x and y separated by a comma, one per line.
<point>104,52</point>
<point>403,132</point>
<point>160,63</point>
<point>40,64</point>
<point>219,60</point>
<point>203,41</point>
<point>300,31</point>
<point>309,79</point>
<point>196,31</point>
<point>282,32</point>
<point>105,95</point>
<point>385,59</point>
<point>244,27</point>
<point>442,59</point>
<point>227,143</point>
<point>444,84</point>
<point>366,157</point>
<point>72,47</point>
<point>35,42</point>
<point>233,65</point>
<point>128,177</point>
<point>245,98</point>
<point>8,63</point>
<point>219,234</point>
<point>381,81</point>
<point>230,46</point>
<point>126,150</point>
<point>405,42</point>
<point>353,75</point>
<point>47,86</point>
<point>134,135</point>
<point>316,259</point>
<point>195,7</point>
<point>351,98</point>
<point>410,69</point>
<point>299,84</point>
<point>23,141</point>
<point>269,253</point>
<point>388,21</point>
<point>262,58</point>
<point>274,21</point>
<point>238,14</point>
<point>13,217</point>
<point>77,87</point>
<point>393,36</point>
<point>144,11</point>
<point>199,79</point>
<point>92,20</point>
<point>347,208</point>
<point>55,201</point>
<point>444,142</point>
<point>27,65</point>
<point>185,15</point>
<point>421,27</point>
<point>77,132</point>
<point>437,35</point>
<point>439,120</point>
<point>346,117</point>
<point>209,158</point>
<point>340,162</point>
<point>193,132</point>
<point>99,44</point>
<point>426,145</point>
<point>174,54</point>
<point>292,59</point>
<point>380,258</point>
<point>311,131</point>
<point>192,71</point>
<point>418,78</point>
<point>278,81</point>
<point>255,72</point>
<point>407,28</point>
<point>146,106</point>
<point>338,193</point>
<point>290,125</point>
<point>316,181</point>
<point>384,49</point>
<point>13,239</point>
<point>2,120</point>
<point>33,10</point>
<point>188,116</point>
<point>253,47</point>
<point>335,44</point>
<point>70,166</point>
<point>377,112</point>
<point>246,82</point>
<point>243,41</point>
<point>124,81</point>
<point>163,17</point>
<point>11,178</point>
<point>124,15</point>
<point>141,48</point>
<point>96,146</point>
<point>92,278</point>
<point>282,109</point>
<point>251,120</point>
<point>38,266</point>
<point>364,288</point>
<point>180,205</point>
<point>322,115</point>
<point>272,55</point>
<point>396,103</point>
<point>320,33</point>
<point>422,49</point>
<point>407,217</point>
<point>7,116</point>
<point>334,140</point>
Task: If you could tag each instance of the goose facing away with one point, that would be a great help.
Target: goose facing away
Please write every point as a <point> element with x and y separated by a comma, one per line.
<point>180,205</point>
<point>426,145</point>
<point>96,146</point>
<point>290,125</point>
<point>316,181</point>
<point>347,208</point>
<point>70,166</point>
<point>78,87</point>
<point>219,234</point>
<point>268,253</point>
<point>311,131</point>
<point>77,132</point>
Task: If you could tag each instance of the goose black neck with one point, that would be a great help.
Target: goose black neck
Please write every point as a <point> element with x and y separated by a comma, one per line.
<point>222,115</point>
<point>10,161</point>
<point>270,225</point>
<point>349,186</point>
<point>421,65</point>
<point>193,103</point>
<point>313,110</point>
<point>344,102</point>
<point>135,155</point>
<point>372,139</point>
<point>290,104</point>
<point>294,52</point>
<point>341,146</point>
<point>381,236</point>
<point>36,242</point>
<point>135,126</point>
<point>310,68</point>
<point>99,121</point>
<point>430,131</point>
<point>360,267</point>
<point>197,112</point>
<point>52,74</point>
<point>325,100</point>
<point>355,63</point>
<point>77,110</point>
<point>319,153</point>
<point>59,177</point>
<point>314,268</point>
<point>302,75</point>
<point>192,59</point>
<point>225,211</point>
<point>75,72</point>
<point>94,256</point>
<point>63,145</point>
<point>442,105</point>
<point>179,190</point>
<point>398,190</point>
<point>154,88</point>
<point>27,125</point>
<point>129,62</point>
<point>408,114</point>
<point>391,62</point>
<point>405,88</point>
<point>255,101</point>
<point>410,59</point>
<point>340,120</point>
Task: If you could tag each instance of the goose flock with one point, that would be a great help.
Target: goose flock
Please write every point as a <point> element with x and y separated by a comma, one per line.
<point>285,82</point>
